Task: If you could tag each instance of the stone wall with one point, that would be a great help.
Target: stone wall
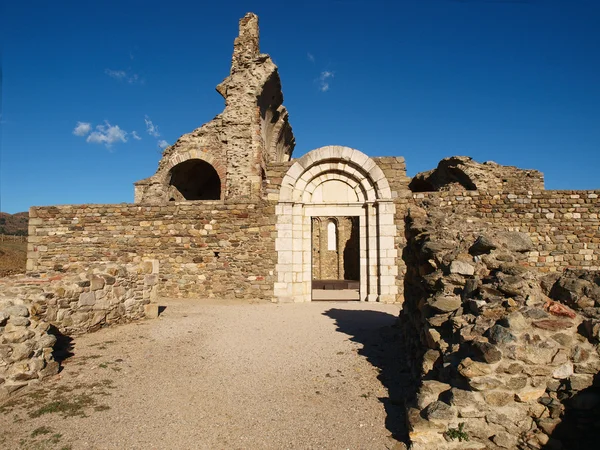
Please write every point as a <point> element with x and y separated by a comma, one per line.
<point>563,225</point>
<point>35,309</point>
<point>83,297</point>
<point>205,249</point>
<point>463,173</point>
<point>497,360</point>
<point>25,348</point>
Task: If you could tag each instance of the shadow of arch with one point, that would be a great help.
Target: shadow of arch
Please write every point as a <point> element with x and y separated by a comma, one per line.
<point>196,179</point>
<point>380,337</point>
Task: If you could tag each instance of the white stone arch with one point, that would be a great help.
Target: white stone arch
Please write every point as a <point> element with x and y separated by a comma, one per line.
<point>362,190</point>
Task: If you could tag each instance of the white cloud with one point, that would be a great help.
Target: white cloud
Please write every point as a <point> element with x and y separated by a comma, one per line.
<point>107,134</point>
<point>151,129</point>
<point>163,144</point>
<point>82,129</point>
<point>325,80</point>
<point>122,75</point>
<point>310,57</point>
<point>136,136</point>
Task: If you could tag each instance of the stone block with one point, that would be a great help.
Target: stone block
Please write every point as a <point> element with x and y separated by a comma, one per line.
<point>151,310</point>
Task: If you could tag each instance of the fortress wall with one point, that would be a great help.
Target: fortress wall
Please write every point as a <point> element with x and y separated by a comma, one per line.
<point>563,225</point>
<point>205,249</point>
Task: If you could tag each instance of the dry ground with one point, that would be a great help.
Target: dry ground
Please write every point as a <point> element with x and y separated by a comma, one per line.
<point>208,375</point>
<point>13,257</point>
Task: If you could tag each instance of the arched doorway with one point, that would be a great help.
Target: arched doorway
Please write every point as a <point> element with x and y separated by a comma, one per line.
<point>194,179</point>
<point>336,182</point>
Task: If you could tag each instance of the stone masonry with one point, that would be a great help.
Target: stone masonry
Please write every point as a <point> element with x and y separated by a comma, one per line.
<point>498,277</point>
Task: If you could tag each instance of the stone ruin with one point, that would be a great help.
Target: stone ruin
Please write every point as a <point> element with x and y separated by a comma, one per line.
<point>498,277</point>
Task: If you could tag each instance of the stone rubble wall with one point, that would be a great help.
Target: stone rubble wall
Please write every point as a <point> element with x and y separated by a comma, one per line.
<point>563,225</point>
<point>205,249</point>
<point>25,348</point>
<point>78,299</point>
<point>464,173</point>
<point>498,361</point>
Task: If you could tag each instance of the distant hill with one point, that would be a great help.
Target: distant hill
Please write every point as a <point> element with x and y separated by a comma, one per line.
<point>14,223</point>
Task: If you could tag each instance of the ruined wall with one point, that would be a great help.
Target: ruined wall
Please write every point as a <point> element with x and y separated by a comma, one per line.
<point>252,131</point>
<point>463,173</point>
<point>81,298</point>
<point>25,348</point>
<point>563,225</point>
<point>497,362</point>
<point>205,249</point>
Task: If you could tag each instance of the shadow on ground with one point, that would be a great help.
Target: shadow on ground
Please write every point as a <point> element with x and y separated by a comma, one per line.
<point>63,349</point>
<point>380,337</point>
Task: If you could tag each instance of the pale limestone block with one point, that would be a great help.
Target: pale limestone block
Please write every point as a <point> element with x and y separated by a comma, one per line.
<point>386,242</point>
<point>283,244</point>
<point>285,257</point>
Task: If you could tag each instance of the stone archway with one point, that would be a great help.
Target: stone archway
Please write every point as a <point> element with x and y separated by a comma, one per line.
<point>335,181</point>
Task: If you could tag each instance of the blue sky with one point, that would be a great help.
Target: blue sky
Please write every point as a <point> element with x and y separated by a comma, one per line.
<point>513,81</point>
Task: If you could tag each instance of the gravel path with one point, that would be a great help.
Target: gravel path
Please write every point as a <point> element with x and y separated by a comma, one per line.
<point>225,375</point>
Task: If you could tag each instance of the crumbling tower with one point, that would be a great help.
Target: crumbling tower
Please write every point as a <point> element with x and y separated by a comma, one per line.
<point>226,158</point>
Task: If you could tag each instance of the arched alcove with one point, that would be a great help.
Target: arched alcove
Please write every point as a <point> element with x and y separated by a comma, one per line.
<point>196,179</point>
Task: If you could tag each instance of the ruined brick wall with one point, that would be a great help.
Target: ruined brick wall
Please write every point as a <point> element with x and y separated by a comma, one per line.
<point>205,249</point>
<point>563,225</point>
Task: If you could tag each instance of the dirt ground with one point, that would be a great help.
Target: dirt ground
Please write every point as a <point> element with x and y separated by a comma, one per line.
<point>228,375</point>
<point>13,257</point>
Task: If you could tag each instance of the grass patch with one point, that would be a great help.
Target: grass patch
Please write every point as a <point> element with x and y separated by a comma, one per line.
<point>41,430</point>
<point>66,408</point>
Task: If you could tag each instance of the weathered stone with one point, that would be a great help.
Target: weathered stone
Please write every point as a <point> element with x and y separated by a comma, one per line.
<point>580,382</point>
<point>22,351</point>
<point>482,244</point>
<point>96,283</point>
<point>505,440</point>
<point>445,303</point>
<point>500,335</point>
<point>563,371</point>
<point>516,383</point>
<point>439,411</point>
<point>484,351</point>
<point>515,321</point>
<point>548,425</point>
<point>462,268</point>
<point>460,397</point>
<point>17,336</point>
<point>553,325</point>
<point>484,383</point>
<point>529,395</point>
<point>87,299</point>
<point>558,309</point>
<point>497,398</point>
<point>17,311</point>
<point>471,369</point>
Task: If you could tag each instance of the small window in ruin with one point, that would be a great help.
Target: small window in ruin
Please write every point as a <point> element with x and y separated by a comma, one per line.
<point>331,236</point>
<point>196,179</point>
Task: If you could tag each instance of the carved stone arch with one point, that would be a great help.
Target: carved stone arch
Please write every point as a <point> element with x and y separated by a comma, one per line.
<point>368,197</point>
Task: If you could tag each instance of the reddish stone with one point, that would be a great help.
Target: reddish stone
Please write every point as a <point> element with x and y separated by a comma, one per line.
<point>552,324</point>
<point>558,309</point>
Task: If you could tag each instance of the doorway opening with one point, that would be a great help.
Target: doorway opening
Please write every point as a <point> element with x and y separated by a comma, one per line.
<point>335,258</point>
